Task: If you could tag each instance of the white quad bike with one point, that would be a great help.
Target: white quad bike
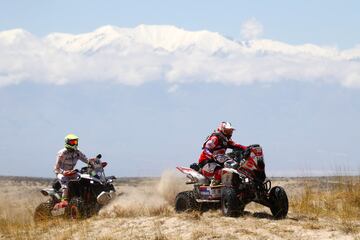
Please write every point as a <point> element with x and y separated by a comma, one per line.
<point>241,183</point>
<point>88,192</point>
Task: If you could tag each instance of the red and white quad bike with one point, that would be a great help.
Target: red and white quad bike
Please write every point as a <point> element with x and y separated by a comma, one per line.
<point>243,181</point>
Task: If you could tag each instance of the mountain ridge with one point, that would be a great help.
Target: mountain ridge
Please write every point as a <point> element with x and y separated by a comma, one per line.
<point>170,39</point>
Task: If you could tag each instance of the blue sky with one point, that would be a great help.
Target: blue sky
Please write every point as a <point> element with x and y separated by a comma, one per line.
<point>297,22</point>
<point>147,107</point>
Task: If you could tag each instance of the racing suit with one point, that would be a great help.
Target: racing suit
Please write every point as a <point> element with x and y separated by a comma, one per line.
<point>65,161</point>
<point>213,156</point>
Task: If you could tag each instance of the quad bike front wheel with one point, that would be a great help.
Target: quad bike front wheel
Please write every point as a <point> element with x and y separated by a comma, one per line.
<point>231,206</point>
<point>43,212</point>
<point>75,209</point>
<point>279,202</point>
<point>185,201</point>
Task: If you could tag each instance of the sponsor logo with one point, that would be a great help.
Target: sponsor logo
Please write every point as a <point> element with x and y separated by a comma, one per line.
<point>205,191</point>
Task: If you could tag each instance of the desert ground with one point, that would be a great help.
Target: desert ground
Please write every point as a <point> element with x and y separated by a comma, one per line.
<point>320,208</point>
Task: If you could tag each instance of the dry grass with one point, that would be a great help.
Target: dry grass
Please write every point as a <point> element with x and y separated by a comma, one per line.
<point>190,216</point>
<point>335,198</point>
<point>323,208</point>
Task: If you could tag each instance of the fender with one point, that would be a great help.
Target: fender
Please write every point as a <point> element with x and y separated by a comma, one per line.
<point>87,176</point>
<point>194,176</point>
<point>50,192</point>
<point>105,197</point>
<point>227,176</point>
<point>231,177</point>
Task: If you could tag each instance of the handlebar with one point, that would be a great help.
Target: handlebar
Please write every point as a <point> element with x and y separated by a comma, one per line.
<point>239,154</point>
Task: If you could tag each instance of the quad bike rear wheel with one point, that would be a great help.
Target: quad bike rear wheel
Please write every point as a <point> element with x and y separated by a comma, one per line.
<point>231,206</point>
<point>279,202</point>
<point>43,212</point>
<point>75,209</point>
<point>185,201</point>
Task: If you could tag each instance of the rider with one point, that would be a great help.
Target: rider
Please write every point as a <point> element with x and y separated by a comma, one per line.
<point>65,163</point>
<point>213,155</point>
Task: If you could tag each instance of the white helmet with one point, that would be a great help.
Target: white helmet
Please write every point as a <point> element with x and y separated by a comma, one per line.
<point>226,128</point>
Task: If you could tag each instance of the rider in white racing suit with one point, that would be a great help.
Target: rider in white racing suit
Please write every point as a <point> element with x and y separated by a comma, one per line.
<point>65,164</point>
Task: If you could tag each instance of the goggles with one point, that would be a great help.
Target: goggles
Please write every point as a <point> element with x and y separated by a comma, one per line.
<point>73,142</point>
<point>228,131</point>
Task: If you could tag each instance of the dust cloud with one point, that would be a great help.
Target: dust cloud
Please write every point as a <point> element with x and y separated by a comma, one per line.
<point>148,198</point>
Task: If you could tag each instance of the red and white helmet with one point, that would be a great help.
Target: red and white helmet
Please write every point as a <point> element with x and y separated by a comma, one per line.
<point>226,128</point>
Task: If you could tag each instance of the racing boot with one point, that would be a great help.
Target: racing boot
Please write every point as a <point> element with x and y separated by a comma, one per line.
<point>216,180</point>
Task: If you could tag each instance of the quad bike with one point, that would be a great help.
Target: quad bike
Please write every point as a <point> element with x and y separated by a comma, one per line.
<point>89,190</point>
<point>243,181</point>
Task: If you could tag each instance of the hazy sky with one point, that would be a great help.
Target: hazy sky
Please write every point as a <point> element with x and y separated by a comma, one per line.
<point>294,89</point>
<point>320,22</point>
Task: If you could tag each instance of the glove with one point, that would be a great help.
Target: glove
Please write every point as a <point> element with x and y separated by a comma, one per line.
<point>247,152</point>
<point>92,161</point>
<point>68,173</point>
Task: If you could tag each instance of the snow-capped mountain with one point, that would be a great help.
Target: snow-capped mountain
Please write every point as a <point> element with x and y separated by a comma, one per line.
<point>172,39</point>
<point>148,52</point>
<point>169,39</point>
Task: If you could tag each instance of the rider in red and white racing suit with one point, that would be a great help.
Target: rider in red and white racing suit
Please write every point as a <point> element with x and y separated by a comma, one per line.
<point>213,156</point>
